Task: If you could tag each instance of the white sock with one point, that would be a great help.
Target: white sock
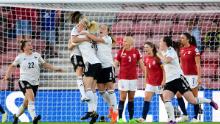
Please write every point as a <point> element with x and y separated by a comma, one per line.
<point>90,95</point>
<point>31,109</point>
<point>21,110</point>
<point>106,97</point>
<point>95,104</point>
<point>113,100</point>
<point>170,110</point>
<point>203,100</point>
<point>81,86</point>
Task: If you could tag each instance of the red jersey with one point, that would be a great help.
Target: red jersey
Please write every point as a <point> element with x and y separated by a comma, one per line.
<point>128,63</point>
<point>154,70</point>
<point>187,60</point>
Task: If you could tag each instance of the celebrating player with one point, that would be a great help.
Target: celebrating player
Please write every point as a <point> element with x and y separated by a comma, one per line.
<point>127,60</point>
<point>175,81</point>
<point>154,77</point>
<point>76,57</point>
<point>92,66</point>
<point>106,78</point>
<point>30,63</point>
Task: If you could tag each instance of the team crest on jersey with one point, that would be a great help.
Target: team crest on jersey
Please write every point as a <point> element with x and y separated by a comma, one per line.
<point>123,54</point>
<point>134,55</point>
<point>189,52</point>
<point>154,62</point>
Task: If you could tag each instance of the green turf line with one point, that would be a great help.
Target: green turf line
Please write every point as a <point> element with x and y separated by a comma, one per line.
<point>108,123</point>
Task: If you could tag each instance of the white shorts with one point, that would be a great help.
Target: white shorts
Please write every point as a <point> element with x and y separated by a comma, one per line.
<point>127,85</point>
<point>154,89</point>
<point>192,80</point>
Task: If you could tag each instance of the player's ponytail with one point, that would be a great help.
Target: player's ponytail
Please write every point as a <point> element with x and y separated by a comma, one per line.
<point>91,26</point>
<point>23,43</point>
<point>75,17</point>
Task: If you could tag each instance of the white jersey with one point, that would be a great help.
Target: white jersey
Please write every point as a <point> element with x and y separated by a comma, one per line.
<point>88,52</point>
<point>104,52</point>
<point>75,50</point>
<point>29,67</point>
<point>172,69</point>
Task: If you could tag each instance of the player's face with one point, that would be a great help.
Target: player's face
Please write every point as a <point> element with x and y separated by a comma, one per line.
<point>80,27</point>
<point>127,44</point>
<point>103,30</point>
<point>162,45</point>
<point>28,47</point>
<point>147,49</point>
<point>183,39</point>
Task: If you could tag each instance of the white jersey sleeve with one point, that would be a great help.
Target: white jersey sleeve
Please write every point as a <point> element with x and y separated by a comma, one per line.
<point>16,61</point>
<point>76,50</point>
<point>107,40</point>
<point>171,53</point>
<point>40,59</point>
<point>172,69</point>
<point>104,52</point>
<point>74,32</point>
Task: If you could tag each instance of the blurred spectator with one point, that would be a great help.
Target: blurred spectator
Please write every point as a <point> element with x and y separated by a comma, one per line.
<point>48,30</point>
<point>25,21</point>
<point>2,23</point>
<point>195,31</point>
<point>212,38</point>
<point>6,27</point>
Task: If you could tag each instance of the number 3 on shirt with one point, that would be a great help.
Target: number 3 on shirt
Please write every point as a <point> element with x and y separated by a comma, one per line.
<point>129,58</point>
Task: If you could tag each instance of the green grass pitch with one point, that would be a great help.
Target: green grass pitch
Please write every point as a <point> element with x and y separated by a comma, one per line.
<point>108,123</point>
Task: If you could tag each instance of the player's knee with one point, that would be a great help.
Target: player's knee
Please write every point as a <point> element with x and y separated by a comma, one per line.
<point>147,98</point>
<point>123,97</point>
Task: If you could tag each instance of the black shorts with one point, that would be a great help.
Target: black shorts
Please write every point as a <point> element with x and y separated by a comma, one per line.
<point>179,84</point>
<point>26,85</point>
<point>93,70</point>
<point>77,61</point>
<point>106,75</point>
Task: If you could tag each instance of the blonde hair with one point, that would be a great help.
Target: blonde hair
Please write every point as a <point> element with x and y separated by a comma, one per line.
<point>129,39</point>
<point>91,26</point>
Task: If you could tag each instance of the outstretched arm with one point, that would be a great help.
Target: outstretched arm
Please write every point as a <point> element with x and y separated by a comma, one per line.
<point>95,38</point>
<point>75,39</point>
<point>11,67</point>
<point>164,58</point>
<point>51,67</point>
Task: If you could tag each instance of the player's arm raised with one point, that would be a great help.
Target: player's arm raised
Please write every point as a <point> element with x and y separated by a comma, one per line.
<point>164,58</point>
